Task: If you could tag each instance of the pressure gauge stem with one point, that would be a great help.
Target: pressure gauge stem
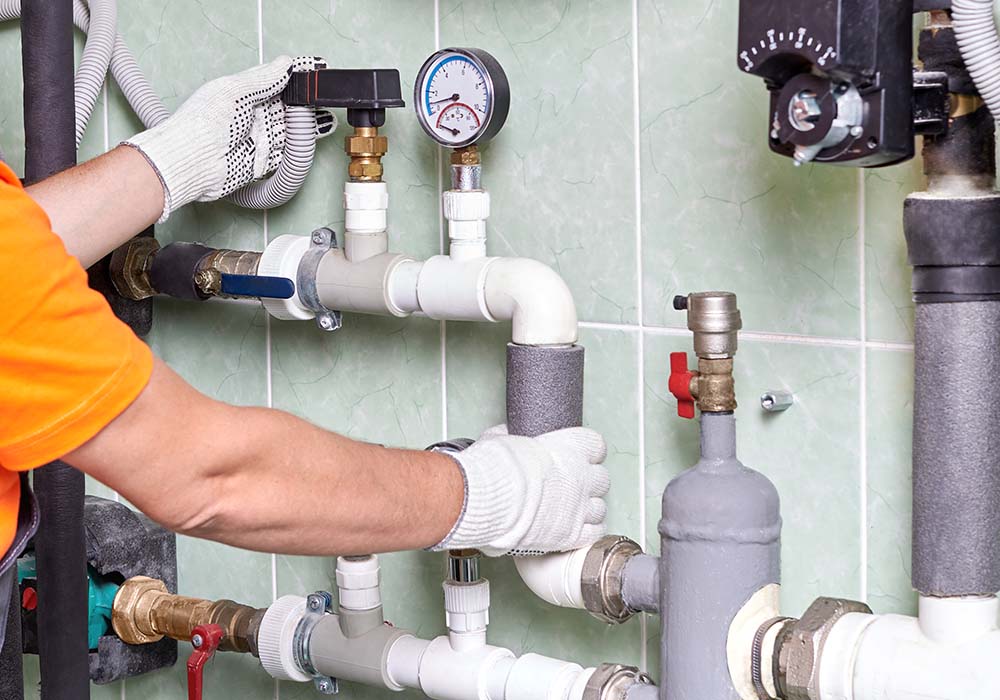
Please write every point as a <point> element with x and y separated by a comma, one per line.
<point>466,169</point>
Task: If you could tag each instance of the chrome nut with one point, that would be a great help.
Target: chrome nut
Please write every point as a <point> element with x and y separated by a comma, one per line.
<point>613,681</point>
<point>802,646</point>
<point>131,605</point>
<point>601,580</point>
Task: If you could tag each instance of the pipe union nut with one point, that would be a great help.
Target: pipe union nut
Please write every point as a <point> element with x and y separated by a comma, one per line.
<point>612,682</point>
<point>601,579</point>
<point>132,605</point>
<point>800,647</point>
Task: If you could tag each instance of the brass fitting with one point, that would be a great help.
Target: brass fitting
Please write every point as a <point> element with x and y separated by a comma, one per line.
<point>713,386</point>
<point>208,278</point>
<point>130,265</point>
<point>145,612</point>
<point>365,148</point>
<point>468,155</point>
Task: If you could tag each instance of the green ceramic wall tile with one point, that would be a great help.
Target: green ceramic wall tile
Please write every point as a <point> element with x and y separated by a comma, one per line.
<point>561,174</point>
<point>11,106</point>
<point>719,210</point>
<point>890,431</point>
<point>887,278</point>
<point>810,452</point>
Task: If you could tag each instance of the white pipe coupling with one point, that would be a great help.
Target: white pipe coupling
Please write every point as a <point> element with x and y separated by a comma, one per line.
<point>467,613</point>
<point>366,207</point>
<point>358,581</point>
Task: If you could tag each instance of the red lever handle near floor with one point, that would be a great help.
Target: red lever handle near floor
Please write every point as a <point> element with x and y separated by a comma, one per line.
<point>205,639</point>
<point>680,384</point>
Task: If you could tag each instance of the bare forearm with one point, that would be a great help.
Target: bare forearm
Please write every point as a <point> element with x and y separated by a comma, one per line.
<point>295,488</point>
<point>266,480</point>
<point>97,206</point>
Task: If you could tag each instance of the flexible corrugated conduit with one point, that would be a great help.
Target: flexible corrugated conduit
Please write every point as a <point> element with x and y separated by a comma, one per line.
<point>106,49</point>
<point>976,32</point>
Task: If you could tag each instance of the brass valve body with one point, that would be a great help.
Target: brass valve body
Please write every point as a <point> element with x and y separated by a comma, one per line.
<point>713,385</point>
<point>145,612</point>
<point>366,148</point>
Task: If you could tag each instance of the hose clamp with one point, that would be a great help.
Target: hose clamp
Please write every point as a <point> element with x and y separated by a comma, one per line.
<point>757,656</point>
<point>318,606</point>
<point>322,241</point>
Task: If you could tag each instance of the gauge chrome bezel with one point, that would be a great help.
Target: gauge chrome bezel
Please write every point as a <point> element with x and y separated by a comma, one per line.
<point>497,89</point>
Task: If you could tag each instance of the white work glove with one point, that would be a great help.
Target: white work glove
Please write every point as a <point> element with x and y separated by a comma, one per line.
<point>229,133</point>
<point>529,496</point>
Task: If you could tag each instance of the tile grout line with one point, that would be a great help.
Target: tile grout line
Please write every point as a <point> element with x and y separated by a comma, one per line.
<point>268,377</point>
<point>758,336</point>
<point>106,123</point>
<point>863,384</point>
<point>443,326</point>
<point>640,345</point>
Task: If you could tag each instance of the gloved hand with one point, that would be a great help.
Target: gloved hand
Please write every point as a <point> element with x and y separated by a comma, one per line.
<point>230,132</point>
<point>528,496</point>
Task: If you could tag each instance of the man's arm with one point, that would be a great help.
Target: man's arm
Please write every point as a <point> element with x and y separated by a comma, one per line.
<point>97,206</point>
<point>264,480</point>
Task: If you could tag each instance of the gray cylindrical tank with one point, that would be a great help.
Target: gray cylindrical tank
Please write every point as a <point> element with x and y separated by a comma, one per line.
<point>956,449</point>
<point>720,543</point>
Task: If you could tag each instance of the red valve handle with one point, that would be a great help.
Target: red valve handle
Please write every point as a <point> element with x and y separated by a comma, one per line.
<point>680,384</point>
<point>210,637</point>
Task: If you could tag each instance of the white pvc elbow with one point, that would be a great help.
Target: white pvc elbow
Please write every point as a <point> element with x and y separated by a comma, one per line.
<point>535,298</point>
<point>555,578</point>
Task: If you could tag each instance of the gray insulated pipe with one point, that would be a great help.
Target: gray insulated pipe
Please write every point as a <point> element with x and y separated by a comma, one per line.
<point>956,449</point>
<point>544,388</point>
<point>60,546</point>
<point>720,544</point>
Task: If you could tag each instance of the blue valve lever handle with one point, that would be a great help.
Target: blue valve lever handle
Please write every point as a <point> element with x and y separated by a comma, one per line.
<point>257,286</point>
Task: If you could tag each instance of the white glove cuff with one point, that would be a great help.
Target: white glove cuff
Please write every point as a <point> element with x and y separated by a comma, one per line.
<point>498,506</point>
<point>180,164</point>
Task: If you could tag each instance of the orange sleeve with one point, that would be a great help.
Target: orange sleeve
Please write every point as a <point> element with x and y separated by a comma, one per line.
<point>68,366</point>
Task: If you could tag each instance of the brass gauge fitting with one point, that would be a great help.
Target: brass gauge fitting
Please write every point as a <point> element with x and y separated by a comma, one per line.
<point>365,148</point>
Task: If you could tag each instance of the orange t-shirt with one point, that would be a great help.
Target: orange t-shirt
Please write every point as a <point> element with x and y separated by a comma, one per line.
<point>68,367</point>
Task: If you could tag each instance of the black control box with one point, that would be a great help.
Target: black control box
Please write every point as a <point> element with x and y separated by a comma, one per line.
<point>840,77</point>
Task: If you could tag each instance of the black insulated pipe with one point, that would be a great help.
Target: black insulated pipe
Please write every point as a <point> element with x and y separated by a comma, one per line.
<point>955,253</point>
<point>60,547</point>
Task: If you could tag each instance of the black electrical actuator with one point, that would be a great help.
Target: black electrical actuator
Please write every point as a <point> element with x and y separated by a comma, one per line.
<point>840,77</point>
<point>364,92</point>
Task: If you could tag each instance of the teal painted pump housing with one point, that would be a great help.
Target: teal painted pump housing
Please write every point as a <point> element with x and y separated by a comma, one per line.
<point>101,597</point>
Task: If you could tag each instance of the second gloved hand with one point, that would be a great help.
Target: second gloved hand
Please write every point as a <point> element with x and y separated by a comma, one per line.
<point>529,496</point>
<point>229,133</point>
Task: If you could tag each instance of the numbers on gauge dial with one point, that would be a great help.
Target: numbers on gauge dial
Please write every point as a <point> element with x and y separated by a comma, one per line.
<point>456,99</point>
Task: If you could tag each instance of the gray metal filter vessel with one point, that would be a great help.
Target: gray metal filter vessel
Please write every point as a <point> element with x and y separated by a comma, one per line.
<point>720,543</point>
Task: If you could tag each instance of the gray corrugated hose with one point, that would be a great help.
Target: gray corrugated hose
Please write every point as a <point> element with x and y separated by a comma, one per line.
<point>105,48</point>
<point>976,33</point>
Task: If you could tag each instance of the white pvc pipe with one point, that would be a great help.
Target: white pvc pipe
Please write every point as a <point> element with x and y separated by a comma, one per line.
<point>529,294</point>
<point>555,578</point>
<point>483,673</point>
<point>892,657</point>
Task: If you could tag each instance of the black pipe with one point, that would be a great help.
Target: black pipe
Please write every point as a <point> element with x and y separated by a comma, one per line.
<point>60,546</point>
<point>11,676</point>
<point>955,254</point>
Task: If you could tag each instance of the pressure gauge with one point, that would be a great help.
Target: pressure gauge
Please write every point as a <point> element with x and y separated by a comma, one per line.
<point>462,97</point>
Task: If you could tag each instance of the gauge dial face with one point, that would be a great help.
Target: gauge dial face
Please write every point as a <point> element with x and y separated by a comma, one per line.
<point>456,98</point>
